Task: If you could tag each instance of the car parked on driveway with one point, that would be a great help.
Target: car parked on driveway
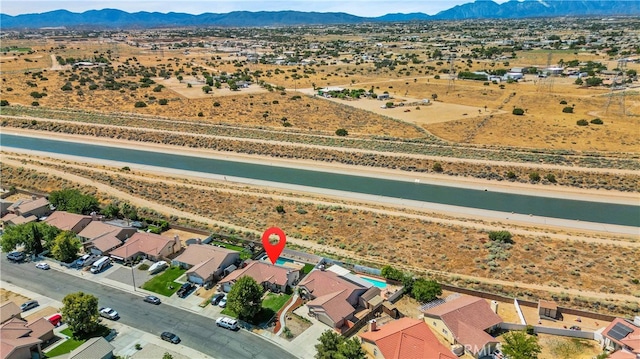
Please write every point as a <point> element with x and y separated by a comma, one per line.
<point>184,290</point>
<point>224,322</point>
<point>157,267</point>
<point>15,256</point>
<point>223,302</point>
<point>217,298</point>
<point>42,265</point>
<point>109,313</point>
<point>29,305</point>
<point>170,337</point>
<point>152,299</point>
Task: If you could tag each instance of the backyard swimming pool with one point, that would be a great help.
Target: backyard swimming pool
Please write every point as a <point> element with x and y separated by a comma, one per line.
<point>378,283</point>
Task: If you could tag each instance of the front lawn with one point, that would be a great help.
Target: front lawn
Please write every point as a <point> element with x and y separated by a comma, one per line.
<point>165,283</point>
<point>307,268</point>
<point>271,304</point>
<point>65,347</point>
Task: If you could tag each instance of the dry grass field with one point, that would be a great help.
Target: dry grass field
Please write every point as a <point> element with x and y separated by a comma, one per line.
<point>560,266</point>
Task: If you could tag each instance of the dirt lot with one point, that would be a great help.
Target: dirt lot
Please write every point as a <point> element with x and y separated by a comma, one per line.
<point>9,296</point>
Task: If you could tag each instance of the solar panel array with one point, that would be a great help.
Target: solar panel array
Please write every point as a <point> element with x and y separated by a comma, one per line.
<point>619,331</point>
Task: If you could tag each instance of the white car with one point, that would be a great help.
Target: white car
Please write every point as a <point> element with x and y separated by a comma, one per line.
<point>223,302</point>
<point>157,267</point>
<point>42,265</point>
<point>109,313</point>
<point>228,323</point>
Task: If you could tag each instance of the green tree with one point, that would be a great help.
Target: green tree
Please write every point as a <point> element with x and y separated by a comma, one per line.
<point>332,345</point>
<point>111,210</point>
<point>425,290</point>
<point>71,200</point>
<point>80,311</point>
<point>206,89</point>
<point>34,236</point>
<point>244,298</point>
<point>389,272</point>
<point>519,345</point>
<point>65,247</point>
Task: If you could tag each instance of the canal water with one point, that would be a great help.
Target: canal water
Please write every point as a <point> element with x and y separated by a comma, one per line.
<point>609,213</point>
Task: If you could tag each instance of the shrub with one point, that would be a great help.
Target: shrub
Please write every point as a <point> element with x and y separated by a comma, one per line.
<point>437,167</point>
<point>437,77</point>
<point>518,111</point>
<point>582,123</point>
<point>200,114</point>
<point>342,132</point>
<point>4,103</point>
<point>534,176</point>
<point>280,209</point>
<point>36,94</point>
<point>511,175</point>
<point>67,87</point>
<point>500,236</point>
<point>551,178</point>
<point>163,101</point>
<point>140,104</point>
<point>567,109</point>
<point>216,104</point>
<point>563,102</point>
<point>35,103</point>
<point>93,87</point>
<point>597,121</point>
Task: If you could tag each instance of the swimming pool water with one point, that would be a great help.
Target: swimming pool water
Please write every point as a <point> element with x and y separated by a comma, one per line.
<point>283,261</point>
<point>378,283</point>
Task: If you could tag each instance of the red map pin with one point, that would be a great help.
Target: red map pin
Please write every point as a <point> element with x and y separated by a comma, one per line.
<point>273,249</point>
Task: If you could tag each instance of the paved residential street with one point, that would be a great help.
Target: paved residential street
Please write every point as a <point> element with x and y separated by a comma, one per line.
<point>196,331</point>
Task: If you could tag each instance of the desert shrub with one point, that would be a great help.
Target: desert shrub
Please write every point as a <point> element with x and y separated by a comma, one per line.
<point>163,101</point>
<point>67,87</point>
<point>534,176</point>
<point>35,103</point>
<point>4,103</point>
<point>216,104</point>
<point>93,87</point>
<point>518,111</point>
<point>567,109</point>
<point>342,132</point>
<point>36,94</point>
<point>582,123</point>
<point>500,236</point>
<point>437,167</point>
<point>200,114</point>
<point>597,121</point>
<point>551,178</point>
<point>437,77</point>
<point>158,88</point>
<point>140,104</point>
<point>563,102</point>
<point>280,209</point>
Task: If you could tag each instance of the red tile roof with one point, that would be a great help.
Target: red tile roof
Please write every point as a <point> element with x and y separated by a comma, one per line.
<point>16,334</point>
<point>148,243</point>
<point>66,221</point>
<point>467,318</point>
<point>334,305</point>
<point>25,206</point>
<point>407,338</point>
<point>631,340</point>
<point>320,283</point>
<point>261,272</point>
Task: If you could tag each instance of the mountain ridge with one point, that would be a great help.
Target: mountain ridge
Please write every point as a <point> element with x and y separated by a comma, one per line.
<point>479,9</point>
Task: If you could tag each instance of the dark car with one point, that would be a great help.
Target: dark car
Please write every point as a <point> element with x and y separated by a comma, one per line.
<point>185,289</point>
<point>29,305</point>
<point>15,256</point>
<point>216,298</point>
<point>170,337</point>
<point>152,299</point>
<point>575,327</point>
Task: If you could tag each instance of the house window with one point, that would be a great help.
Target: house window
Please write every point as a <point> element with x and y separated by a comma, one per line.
<point>445,332</point>
<point>435,324</point>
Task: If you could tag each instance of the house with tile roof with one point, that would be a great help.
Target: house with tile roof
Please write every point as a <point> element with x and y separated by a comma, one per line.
<point>405,338</point>
<point>21,340</point>
<point>66,221</point>
<point>334,298</point>
<point>101,238</point>
<point>207,263</point>
<point>147,245</point>
<point>36,206</point>
<point>623,336</point>
<point>9,310</point>
<point>468,321</point>
<point>94,348</point>
<point>272,277</point>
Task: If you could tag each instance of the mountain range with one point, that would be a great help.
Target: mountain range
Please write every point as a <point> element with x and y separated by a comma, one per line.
<point>479,9</point>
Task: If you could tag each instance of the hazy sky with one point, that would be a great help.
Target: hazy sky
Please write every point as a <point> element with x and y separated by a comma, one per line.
<point>355,7</point>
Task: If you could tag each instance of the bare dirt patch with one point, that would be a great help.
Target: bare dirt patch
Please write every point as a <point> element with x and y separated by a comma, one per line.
<point>9,296</point>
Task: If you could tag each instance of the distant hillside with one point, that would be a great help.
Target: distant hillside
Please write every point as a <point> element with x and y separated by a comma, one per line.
<point>480,9</point>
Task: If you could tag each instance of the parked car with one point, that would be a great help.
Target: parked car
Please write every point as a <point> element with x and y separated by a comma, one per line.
<point>185,289</point>
<point>223,302</point>
<point>15,256</point>
<point>216,298</point>
<point>80,262</point>
<point>157,267</point>
<point>55,319</point>
<point>228,323</point>
<point>29,305</point>
<point>170,337</point>
<point>109,313</point>
<point>575,327</point>
<point>152,299</point>
<point>42,265</point>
